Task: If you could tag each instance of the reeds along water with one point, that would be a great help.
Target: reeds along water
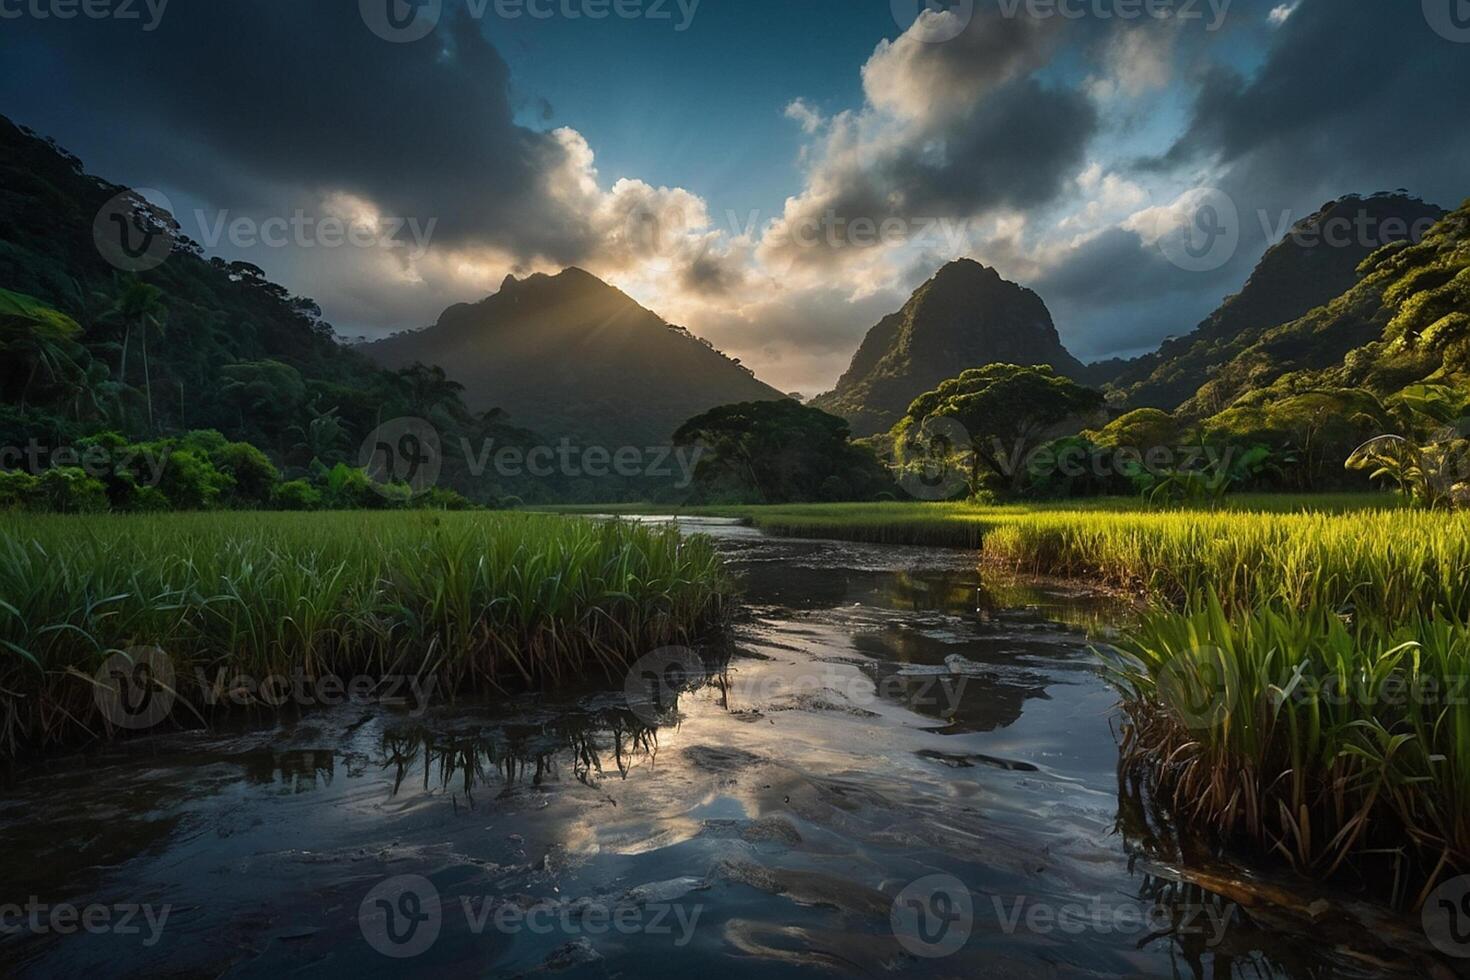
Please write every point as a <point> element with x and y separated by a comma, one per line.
<point>477,601</point>
<point>1302,681</point>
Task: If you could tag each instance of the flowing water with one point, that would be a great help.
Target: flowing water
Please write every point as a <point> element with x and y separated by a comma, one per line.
<point>889,766</point>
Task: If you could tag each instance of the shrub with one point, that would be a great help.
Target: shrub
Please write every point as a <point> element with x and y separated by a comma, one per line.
<point>295,495</point>
<point>69,490</point>
<point>17,490</point>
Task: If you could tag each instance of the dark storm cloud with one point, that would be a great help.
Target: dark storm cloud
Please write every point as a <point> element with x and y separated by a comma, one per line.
<point>247,103</point>
<point>1019,149</point>
<point>1359,96</point>
<point>949,131</point>
<point>1351,97</point>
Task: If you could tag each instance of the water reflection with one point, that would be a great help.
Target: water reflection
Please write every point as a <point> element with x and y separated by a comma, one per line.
<point>882,715</point>
<point>511,755</point>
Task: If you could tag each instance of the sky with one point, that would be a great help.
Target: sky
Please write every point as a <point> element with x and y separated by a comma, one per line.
<point>776,176</point>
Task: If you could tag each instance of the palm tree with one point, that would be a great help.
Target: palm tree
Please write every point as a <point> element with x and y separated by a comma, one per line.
<point>95,392</point>
<point>139,306</point>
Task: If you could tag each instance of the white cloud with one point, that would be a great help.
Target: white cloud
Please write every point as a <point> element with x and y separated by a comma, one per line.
<point>1282,13</point>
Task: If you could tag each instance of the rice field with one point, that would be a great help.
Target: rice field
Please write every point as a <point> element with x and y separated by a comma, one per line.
<point>476,601</point>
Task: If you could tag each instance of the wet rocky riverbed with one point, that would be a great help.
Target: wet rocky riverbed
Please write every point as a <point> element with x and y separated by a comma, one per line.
<point>889,766</point>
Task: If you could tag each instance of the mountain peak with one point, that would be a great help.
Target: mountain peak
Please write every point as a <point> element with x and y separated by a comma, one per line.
<point>561,353</point>
<point>966,316</point>
<point>965,267</point>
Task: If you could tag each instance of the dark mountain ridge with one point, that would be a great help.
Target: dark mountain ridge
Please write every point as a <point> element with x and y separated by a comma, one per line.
<point>1316,262</point>
<point>570,355</point>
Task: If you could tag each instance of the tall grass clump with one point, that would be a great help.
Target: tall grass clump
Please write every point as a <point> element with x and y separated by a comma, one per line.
<point>1302,680</point>
<point>477,601</point>
<point>1319,738</point>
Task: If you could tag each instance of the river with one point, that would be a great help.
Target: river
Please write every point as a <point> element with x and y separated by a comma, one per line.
<point>890,765</point>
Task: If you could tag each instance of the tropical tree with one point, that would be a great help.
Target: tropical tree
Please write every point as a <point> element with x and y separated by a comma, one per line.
<point>35,338</point>
<point>1007,410</point>
<point>429,389</point>
<point>779,452</point>
<point>1428,456</point>
<point>139,306</point>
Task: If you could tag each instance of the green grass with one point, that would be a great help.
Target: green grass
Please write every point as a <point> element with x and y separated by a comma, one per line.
<point>1301,681</point>
<point>962,525</point>
<point>477,601</point>
<point>1331,743</point>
